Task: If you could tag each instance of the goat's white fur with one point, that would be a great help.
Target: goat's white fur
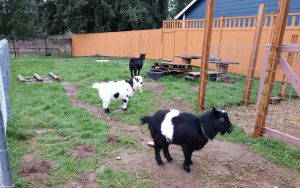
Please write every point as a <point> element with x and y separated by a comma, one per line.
<point>167,127</point>
<point>107,91</point>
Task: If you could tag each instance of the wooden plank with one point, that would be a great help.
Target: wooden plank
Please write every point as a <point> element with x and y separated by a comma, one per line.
<point>210,5</point>
<point>38,77</point>
<point>290,74</point>
<point>54,76</point>
<point>254,53</point>
<point>291,140</point>
<point>273,61</point>
<point>21,78</point>
<point>291,48</point>
<point>290,59</point>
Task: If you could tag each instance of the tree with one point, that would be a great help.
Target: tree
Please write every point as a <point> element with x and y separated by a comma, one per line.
<point>177,6</point>
<point>18,18</point>
<point>50,17</point>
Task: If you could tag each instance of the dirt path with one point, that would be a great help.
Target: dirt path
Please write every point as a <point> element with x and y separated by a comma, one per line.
<point>219,164</point>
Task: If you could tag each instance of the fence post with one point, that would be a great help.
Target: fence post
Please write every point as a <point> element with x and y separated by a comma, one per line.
<point>221,31</point>
<point>5,74</point>
<point>210,5</point>
<point>13,40</point>
<point>290,59</point>
<point>4,160</point>
<point>46,47</point>
<point>273,61</point>
<point>253,58</point>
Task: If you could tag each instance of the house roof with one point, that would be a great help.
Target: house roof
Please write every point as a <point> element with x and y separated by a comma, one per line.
<point>185,9</point>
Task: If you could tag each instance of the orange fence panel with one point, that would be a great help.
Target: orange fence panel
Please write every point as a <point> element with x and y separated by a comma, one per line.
<point>232,39</point>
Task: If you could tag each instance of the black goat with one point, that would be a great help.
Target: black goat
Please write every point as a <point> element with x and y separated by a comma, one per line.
<point>136,64</point>
<point>185,129</point>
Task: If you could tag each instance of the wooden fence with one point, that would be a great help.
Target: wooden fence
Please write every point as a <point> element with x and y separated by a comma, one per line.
<point>232,39</point>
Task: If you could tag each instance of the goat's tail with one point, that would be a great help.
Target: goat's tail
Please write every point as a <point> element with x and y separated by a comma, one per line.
<point>96,85</point>
<point>145,119</point>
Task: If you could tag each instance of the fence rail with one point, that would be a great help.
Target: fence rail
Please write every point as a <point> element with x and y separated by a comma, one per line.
<point>231,22</point>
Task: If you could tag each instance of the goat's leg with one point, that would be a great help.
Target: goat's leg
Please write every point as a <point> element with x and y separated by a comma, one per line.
<point>105,106</point>
<point>187,158</point>
<point>167,153</point>
<point>135,72</point>
<point>124,103</point>
<point>157,149</point>
<point>139,71</point>
<point>131,72</point>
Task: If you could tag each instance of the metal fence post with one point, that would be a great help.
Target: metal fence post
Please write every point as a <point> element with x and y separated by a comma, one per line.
<point>5,70</point>
<point>6,180</point>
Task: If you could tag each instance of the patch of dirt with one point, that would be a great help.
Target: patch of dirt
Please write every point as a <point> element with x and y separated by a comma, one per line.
<point>218,164</point>
<point>35,169</point>
<point>42,131</point>
<point>112,139</point>
<point>177,103</point>
<point>283,117</point>
<point>83,151</point>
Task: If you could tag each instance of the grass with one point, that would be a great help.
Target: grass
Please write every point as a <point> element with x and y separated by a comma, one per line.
<point>119,179</point>
<point>46,107</point>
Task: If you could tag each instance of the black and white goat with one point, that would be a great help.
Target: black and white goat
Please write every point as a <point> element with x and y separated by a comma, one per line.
<point>185,129</point>
<point>136,64</point>
<point>123,89</point>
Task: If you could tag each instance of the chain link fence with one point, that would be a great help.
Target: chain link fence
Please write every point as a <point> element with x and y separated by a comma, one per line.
<point>5,114</point>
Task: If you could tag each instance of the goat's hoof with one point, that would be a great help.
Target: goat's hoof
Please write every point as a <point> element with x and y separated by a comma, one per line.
<point>160,163</point>
<point>107,110</point>
<point>186,168</point>
<point>191,162</point>
<point>170,159</point>
<point>124,109</point>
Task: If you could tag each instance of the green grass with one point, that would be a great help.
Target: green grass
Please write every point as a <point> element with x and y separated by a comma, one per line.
<point>45,106</point>
<point>110,178</point>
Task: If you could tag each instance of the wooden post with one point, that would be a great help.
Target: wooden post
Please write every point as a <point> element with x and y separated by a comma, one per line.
<point>273,61</point>
<point>253,58</point>
<point>14,47</point>
<point>290,59</point>
<point>210,5</point>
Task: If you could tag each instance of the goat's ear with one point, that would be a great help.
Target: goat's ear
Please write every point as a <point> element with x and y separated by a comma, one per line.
<point>215,112</point>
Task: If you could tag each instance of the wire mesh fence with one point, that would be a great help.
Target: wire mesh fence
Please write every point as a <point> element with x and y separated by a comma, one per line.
<point>5,114</point>
<point>39,46</point>
<point>226,89</point>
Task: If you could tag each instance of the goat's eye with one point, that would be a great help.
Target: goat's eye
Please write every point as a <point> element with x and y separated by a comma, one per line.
<point>141,82</point>
<point>222,119</point>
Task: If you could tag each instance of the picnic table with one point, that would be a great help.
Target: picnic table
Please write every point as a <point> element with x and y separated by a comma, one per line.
<point>188,58</point>
<point>222,66</point>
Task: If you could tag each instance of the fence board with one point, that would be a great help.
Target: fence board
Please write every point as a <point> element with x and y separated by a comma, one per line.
<point>231,42</point>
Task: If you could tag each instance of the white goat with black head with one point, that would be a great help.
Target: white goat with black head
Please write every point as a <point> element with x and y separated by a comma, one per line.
<point>185,129</point>
<point>123,89</point>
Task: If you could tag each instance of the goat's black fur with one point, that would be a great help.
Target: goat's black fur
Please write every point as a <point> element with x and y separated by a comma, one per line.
<point>189,131</point>
<point>136,64</point>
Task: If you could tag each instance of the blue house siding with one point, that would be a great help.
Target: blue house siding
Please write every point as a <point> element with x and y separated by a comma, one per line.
<point>236,8</point>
